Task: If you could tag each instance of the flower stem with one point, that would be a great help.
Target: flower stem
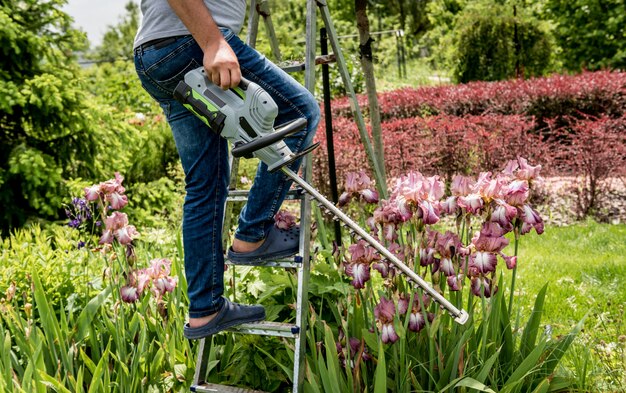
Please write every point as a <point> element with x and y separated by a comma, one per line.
<point>516,233</point>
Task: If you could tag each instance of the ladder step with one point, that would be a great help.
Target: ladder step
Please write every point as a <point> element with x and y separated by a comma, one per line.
<point>242,195</point>
<point>296,66</point>
<point>293,263</point>
<point>210,387</point>
<point>266,328</point>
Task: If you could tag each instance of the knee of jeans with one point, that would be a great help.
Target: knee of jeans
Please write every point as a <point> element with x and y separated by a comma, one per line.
<point>313,114</point>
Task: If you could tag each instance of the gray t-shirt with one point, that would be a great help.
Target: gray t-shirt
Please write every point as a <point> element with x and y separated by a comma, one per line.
<point>160,21</point>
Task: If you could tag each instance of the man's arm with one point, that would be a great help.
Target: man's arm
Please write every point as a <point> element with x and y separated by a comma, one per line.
<point>220,62</point>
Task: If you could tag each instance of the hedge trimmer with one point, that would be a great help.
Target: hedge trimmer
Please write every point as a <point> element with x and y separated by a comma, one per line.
<point>245,115</point>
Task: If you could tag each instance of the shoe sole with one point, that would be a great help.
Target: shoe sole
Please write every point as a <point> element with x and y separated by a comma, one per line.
<point>261,258</point>
<point>223,327</point>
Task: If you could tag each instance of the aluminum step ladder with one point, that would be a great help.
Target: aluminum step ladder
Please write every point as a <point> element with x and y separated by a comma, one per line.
<point>301,262</point>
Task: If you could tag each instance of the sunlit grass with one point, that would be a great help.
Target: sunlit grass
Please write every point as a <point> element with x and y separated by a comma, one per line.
<point>585,268</point>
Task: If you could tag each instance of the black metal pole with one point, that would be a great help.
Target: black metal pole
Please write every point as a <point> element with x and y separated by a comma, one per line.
<point>330,147</point>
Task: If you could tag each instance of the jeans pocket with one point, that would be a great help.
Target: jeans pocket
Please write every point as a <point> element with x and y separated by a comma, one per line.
<point>167,66</point>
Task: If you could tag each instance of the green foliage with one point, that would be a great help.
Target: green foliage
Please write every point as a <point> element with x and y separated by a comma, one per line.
<point>44,135</point>
<point>157,203</point>
<point>492,43</point>
<point>592,33</point>
<point>87,341</point>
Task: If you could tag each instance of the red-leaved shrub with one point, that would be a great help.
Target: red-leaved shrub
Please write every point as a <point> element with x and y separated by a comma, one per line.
<point>558,96</point>
<point>593,150</point>
<point>441,144</point>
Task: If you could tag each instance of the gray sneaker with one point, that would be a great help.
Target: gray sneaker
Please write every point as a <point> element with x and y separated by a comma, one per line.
<point>231,314</point>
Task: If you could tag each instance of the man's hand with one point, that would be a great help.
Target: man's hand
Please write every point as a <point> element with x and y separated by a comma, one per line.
<point>221,64</point>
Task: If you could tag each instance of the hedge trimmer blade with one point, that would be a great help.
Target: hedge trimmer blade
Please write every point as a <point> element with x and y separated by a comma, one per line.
<point>460,316</point>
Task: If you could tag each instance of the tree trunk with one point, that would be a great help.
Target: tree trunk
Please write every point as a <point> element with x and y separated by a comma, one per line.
<point>367,65</point>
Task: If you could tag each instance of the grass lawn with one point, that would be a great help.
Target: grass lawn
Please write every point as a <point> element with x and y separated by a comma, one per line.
<point>585,268</point>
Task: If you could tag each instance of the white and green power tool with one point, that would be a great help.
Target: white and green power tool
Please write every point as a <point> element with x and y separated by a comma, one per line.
<point>245,117</point>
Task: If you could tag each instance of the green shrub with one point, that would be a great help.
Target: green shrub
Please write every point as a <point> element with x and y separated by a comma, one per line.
<point>490,43</point>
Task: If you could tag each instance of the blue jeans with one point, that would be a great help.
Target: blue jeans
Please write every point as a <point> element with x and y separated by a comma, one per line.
<point>204,157</point>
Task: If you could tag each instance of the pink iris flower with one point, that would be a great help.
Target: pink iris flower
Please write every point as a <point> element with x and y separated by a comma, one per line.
<point>517,192</point>
<point>116,200</point>
<point>483,262</point>
<point>125,235</point>
<point>360,274</point>
<point>482,286</point>
<point>358,185</point>
<point>472,203</point>
<point>454,282</point>
<point>284,219</point>
<point>361,257</point>
<point>503,214</point>
<point>461,185</point>
<point>129,294</point>
<point>92,193</point>
<point>520,169</point>
<point>427,256</point>
<point>530,219</point>
<point>384,313</point>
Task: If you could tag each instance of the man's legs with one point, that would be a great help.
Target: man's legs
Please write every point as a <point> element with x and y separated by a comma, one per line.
<point>204,157</point>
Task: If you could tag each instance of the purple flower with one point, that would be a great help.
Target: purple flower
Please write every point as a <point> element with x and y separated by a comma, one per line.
<point>355,347</point>
<point>461,185</point>
<point>389,232</point>
<point>428,213</point>
<point>503,214</point>
<point>416,321</point>
<point>482,286</point>
<point>92,193</point>
<point>382,267</point>
<point>427,256</point>
<point>517,193</point>
<point>385,310</point>
<point>116,200</point>
<point>471,203</point>
<point>454,282</point>
<point>284,219</point>
<point>129,294</point>
<point>483,262</point>
<point>403,304</point>
<point>530,219</point>
<point>448,244</point>
<point>384,313</point>
<point>389,335</point>
<point>511,261</point>
<point>358,185</point>
<point>360,273</point>
<point>447,266</point>
<point>490,238</point>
